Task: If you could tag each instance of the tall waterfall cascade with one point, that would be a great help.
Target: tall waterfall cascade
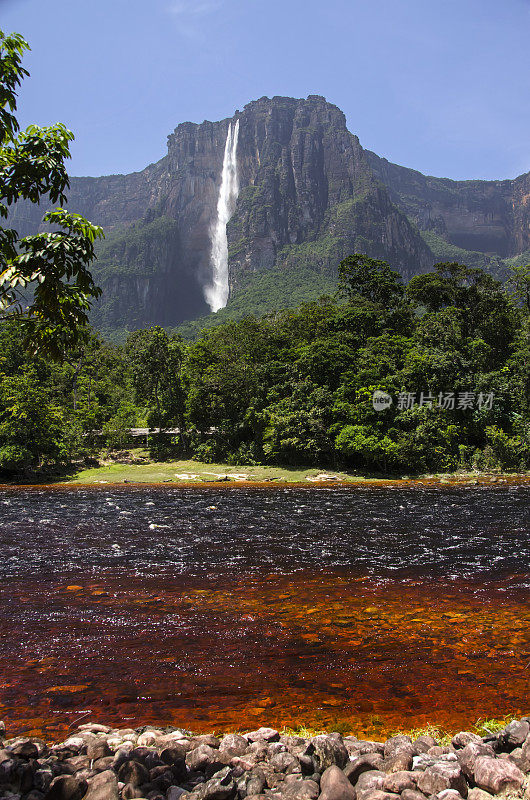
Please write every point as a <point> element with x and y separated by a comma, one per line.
<point>216,293</point>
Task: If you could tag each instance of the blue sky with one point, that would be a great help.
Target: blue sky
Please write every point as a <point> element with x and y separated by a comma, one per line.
<point>441,86</point>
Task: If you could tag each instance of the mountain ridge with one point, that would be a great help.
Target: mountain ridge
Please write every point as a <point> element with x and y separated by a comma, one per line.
<point>310,194</point>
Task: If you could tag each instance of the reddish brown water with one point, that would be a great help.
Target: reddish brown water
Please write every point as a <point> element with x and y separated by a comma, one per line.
<point>358,609</point>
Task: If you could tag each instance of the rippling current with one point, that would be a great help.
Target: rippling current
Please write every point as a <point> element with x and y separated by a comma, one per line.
<point>367,609</point>
<point>465,532</point>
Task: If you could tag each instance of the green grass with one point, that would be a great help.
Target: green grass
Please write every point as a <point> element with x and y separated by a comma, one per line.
<point>485,727</point>
<point>166,471</point>
<point>442,736</point>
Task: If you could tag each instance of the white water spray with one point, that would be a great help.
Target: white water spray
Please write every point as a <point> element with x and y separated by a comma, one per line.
<point>216,293</point>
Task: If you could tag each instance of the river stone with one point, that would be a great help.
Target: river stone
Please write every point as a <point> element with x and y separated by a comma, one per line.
<point>285,762</point>
<point>327,750</point>
<point>42,779</point>
<point>463,738</point>
<point>369,782</point>
<point>495,775</point>
<point>174,793</point>
<point>334,785</point>
<point>263,735</point>
<point>133,772</point>
<point>103,764</point>
<point>103,786</point>
<point>378,794</point>
<point>34,795</point>
<point>301,790</point>
<point>398,754</point>
<point>412,794</point>
<point>256,782</point>
<point>397,782</point>
<point>233,744</point>
<point>442,775</point>
<point>467,757</point>
<point>66,787</point>
<point>424,743</point>
<point>131,791</point>
<point>94,727</point>
<point>98,748</point>
<point>25,749</point>
<point>222,787</point>
<point>478,794</point>
<point>449,794</point>
<point>354,768</point>
<point>514,734</point>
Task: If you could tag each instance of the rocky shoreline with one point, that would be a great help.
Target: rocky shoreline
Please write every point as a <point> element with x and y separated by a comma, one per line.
<point>101,763</point>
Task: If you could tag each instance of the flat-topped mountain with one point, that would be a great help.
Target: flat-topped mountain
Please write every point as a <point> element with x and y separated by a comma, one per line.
<point>307,196</point>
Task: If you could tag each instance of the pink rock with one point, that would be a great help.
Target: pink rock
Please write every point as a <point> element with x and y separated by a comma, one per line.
<point>494,775</point>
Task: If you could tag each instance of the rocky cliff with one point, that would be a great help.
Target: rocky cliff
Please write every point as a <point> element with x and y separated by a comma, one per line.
<point>309,196</point>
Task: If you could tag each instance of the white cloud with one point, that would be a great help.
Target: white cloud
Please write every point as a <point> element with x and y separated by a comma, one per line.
<point>194,8</point>
<point>188,13</point>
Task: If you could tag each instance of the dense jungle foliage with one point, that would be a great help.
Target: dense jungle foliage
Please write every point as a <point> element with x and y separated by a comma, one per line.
<point>451,348</point>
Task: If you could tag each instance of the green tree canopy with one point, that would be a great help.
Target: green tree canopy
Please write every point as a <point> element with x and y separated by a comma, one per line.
<point>45,282</point>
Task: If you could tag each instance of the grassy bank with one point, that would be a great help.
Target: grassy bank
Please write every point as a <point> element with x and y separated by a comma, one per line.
<point>196,472</point>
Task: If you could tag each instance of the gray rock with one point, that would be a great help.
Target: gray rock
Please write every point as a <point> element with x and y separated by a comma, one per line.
<point>460,740</point>
<point>514,734</point>
<point>263,735</point>
<point>301,790</point>
<point>364,763</point>
<point>478,794</point>
<point>208,738</point>
<point>256,782</point>
<point>133,772</point>
<point>103,764</point>
<point>130,791</point>
<point>412,794</point>
<point>398,754</point>
<point>334,785</point>
<point>327,750</point>
<point>25,749</point>
<point>66,787</point>
<point>378,794</point>
<point>285,762</point>
<point>98,749</point>
<point>94,727</point>
<point>469,754</point>
<point>449,794</point>
<point>495,775</point>
<point>42,779</point>
<point>397,782</point>
<point>233,744</point>
<point>174,793</point>
<point>369,782</point>
<point>221,787</point>
<point>103,786</point>
<point>201,757</point>
<point>442,775</point>
<point>424,743</point>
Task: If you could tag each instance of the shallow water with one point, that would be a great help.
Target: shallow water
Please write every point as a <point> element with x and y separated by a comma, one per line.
<point>370,609</point>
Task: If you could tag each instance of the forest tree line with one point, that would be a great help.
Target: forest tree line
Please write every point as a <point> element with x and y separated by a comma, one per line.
<point>451,348</point>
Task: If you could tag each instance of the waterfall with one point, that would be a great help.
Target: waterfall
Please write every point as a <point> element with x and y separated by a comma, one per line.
<point>216,293</point>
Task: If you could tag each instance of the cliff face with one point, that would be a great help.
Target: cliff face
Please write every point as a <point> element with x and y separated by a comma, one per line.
<point>485,216</point>
<point>309,196</point>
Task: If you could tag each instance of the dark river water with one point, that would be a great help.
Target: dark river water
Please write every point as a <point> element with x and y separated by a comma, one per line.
<point>471,533</point>
<point>220,608</point>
